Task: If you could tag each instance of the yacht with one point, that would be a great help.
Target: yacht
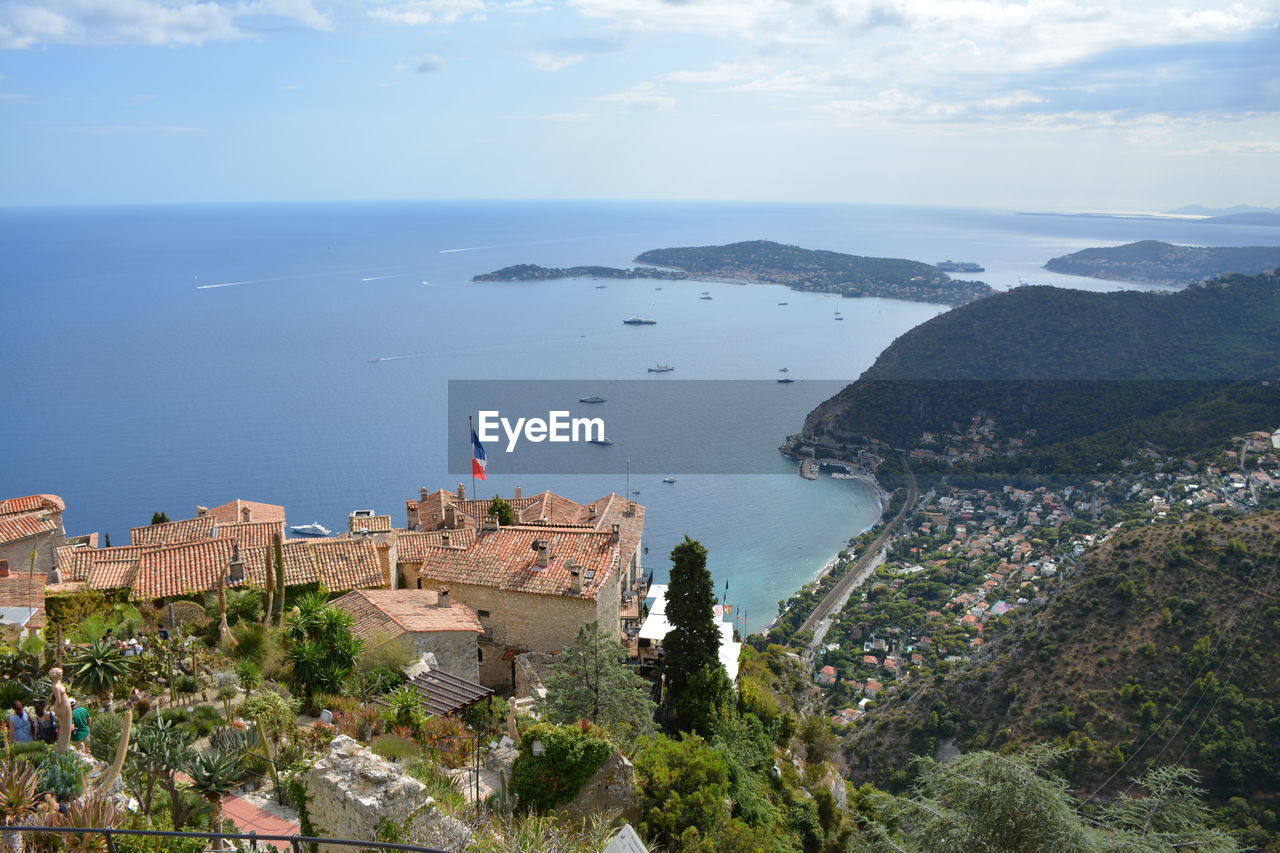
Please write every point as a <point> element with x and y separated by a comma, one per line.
<point>704,297</point>
<point>661,368</point>
<point>668,479</point>
<point>784,303</point>
<point>784,369</point>
<point>785,379</point>
<point>591,399</point>
<point>639,321</point>
<point>602,440</point>
<point>314,529</point>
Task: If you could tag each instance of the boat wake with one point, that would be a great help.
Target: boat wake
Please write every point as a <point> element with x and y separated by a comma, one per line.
<point>381,277</point>
<point>256,281</point>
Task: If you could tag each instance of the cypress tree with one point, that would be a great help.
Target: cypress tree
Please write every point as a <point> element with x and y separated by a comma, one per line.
<point>279,591</point>
<point>695,682</point>
<point>159,518</point>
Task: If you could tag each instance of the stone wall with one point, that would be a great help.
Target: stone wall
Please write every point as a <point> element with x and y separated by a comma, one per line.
<point>455,651</point>
<point>352,791</point>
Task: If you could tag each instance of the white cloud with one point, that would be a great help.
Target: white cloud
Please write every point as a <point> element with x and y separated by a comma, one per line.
<point>429,64</point>
<point>24,23</point>
<point>422,12</point>
<point>642,96</point>
<point>545,60</point>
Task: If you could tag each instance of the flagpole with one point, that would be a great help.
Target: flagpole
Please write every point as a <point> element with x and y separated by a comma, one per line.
<point>470,429</point>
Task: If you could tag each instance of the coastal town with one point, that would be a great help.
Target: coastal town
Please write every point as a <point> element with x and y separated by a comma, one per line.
<point>970,556</point>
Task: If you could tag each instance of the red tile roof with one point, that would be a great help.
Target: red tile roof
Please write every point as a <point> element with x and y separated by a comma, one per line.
<point>75,564</point>
<point>391,612</point>
<point>251,534</point>
<point>338,564</point>
<point>173,532</point>
<point>182,569</point>
<point>412,547</point>
<point>31,503</point>
<point>371,523</point>
<point>505,559</point>
<point>236,510</point>
<point>24,589</point>
<point>14,528</point>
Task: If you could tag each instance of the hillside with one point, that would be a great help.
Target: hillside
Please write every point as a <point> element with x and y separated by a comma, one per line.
<point>1153,261</point>
<point>809,269</point>
<point>1158,648</point>
<point>1048,365</point>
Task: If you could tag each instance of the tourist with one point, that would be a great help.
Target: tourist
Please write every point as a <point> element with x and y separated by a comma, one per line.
<point>46,723</point>
<point>20,724</point>
<point>79,726</point>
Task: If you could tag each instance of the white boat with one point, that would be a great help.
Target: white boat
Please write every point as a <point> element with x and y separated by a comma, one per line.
<point>604,439</point>
<point>591,399</point>
<point>783,369</point>
<point>661,368</point>
<point>639,321</point>
<point>668,479</point>
<point>704,297</point>
<point>315,529</point>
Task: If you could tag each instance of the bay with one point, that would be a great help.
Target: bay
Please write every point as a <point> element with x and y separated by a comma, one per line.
<point>160,357</point>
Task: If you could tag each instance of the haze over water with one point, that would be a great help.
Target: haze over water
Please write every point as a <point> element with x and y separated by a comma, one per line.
<point>164,357</point>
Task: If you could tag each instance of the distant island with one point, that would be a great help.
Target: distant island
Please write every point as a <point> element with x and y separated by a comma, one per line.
<point>766,262</point>
<point>1164,263</point>
<point>1245,217</point>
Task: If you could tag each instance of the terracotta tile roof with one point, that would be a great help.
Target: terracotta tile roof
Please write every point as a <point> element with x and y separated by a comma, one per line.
<point>338,564</point>
<point>412,547</point>
<point>31,503</point>
<point>79,561</point>
<point>112,574</point>
<point>505,559</point>
<point>24,589</point>
<point>250,534</point>
<point>236,510</point>
<point>182,569</point>
<point>371,523</point>
<point>173,532</point>
<point>391,612</point>
<point>14,528</point>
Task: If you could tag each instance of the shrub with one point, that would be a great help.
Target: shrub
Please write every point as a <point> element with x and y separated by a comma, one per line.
<point>62,774</point>
<point>206,718</point>
<point>570,756</point>
<point>107,728</point>
<point>393,747</point>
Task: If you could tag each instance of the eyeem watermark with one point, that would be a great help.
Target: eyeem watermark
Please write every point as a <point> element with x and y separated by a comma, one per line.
<point>558,426</point>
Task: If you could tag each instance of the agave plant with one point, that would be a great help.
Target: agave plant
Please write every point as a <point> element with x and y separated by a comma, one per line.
<point>19,782</point>
<point>98,667</point>
<point>213,776</point>
<point>94,811</point>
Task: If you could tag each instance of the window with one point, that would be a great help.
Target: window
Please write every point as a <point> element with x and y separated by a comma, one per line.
<point>480,654</point>
<point>483,614</point>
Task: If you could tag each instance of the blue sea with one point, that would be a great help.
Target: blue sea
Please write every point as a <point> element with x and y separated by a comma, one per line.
<point>160,357</point>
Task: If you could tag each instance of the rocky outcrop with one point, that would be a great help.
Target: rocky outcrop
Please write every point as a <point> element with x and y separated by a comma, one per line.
<point>611,789</point>
<point>532,669</point>
<point>351,792</point>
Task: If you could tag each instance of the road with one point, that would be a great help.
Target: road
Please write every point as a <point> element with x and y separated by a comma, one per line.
<point>819,620</point>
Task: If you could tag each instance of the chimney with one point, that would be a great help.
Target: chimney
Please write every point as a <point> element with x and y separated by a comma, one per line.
<point>631,509</point>
<point>591,511</point>
<point>544,552</point>
<point>450,517</point>
<point>444,540</point>
<point>491,522</point>
<point>422,493</point>
<point>246,514</point>
<point>519,493</point>
<point>462,492</point>
<point>54,576</point>
<point>411,520</point>
<point>201,511</point>
<point>575,574</point>
<point>442,597</point>
<point>4,568</point>
<point>613,534</point>
<point>235,572</point>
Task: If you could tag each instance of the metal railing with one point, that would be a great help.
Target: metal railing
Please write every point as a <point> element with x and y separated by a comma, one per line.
<point>296,842</point>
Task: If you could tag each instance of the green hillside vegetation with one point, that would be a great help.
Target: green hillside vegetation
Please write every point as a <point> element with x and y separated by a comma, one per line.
<point>809,269</point>
<point>1158,649</point>
<point>1051,367</point>
<point>1154,261</point>
<point>533,272</point>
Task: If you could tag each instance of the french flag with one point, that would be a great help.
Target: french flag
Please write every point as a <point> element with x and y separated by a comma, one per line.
<point>477,457</point>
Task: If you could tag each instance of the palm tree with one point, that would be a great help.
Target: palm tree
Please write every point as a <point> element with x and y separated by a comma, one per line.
<point>98,667</point>
<point>18,783</point>
<point>213,776</point>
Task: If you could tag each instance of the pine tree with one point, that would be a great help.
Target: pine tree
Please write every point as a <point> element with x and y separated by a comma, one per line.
<point>159,518</point>
<point>695,681</point>
<point>500,508</point>
<point>589,681</point>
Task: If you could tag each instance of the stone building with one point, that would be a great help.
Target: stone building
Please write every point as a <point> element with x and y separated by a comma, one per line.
<point>427,618</point>
<point>33,521</point>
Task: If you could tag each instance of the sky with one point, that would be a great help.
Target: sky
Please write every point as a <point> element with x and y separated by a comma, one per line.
<point>1037,104</point>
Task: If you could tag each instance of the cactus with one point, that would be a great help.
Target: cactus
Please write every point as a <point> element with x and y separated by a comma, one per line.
<point>108,779</point>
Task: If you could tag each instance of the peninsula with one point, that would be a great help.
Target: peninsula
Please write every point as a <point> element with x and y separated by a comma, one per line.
<point>1164,263</point>
<point>766,262</point>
